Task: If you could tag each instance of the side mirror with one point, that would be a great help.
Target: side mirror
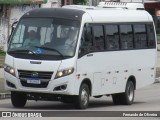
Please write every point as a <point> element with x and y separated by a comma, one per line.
<point>12,29</point>
<point>14,26</point>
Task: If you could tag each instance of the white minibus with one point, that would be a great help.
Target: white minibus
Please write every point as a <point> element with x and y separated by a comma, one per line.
<point>76,52</point>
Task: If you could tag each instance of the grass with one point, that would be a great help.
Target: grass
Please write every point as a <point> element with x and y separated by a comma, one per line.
<point>2,57</point>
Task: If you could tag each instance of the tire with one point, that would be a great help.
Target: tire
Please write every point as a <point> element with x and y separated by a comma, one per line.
<point>127,97</point>
<point>18,99</point>
<point>82,100</point>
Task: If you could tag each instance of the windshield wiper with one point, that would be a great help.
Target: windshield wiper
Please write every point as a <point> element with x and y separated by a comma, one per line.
<point>21,51</point>
<point>51,49</point>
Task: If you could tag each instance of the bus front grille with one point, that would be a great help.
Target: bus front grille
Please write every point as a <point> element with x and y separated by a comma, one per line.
<point>27,78</point>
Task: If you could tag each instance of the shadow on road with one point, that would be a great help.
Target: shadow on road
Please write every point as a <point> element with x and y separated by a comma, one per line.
<point>64,106</point>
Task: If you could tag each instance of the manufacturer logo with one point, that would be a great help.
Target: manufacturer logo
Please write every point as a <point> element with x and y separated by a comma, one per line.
<point>34,74</point>
<point>35,62</point>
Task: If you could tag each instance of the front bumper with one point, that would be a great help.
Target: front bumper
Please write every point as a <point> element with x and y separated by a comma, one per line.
<point>68,81</point>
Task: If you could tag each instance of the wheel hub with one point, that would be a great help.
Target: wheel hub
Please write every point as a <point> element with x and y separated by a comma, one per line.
<point>84,97</point>
<point>130,93</point>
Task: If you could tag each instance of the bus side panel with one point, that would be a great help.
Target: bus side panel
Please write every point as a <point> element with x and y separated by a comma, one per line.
<point>116,67</point>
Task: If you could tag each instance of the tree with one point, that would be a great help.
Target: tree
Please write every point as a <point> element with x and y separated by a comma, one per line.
<point>79,2</point>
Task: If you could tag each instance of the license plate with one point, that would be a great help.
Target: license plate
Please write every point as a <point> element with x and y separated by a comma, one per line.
<point>33,81</point>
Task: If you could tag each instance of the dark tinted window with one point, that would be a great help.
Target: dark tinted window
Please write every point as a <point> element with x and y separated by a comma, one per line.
<point>112,37</point>
<point>151,36</point>
<point>86,40</point>
<point>98,37</point>
<point>122,36</point>
<point>126,36</point>
<point>140,36</point>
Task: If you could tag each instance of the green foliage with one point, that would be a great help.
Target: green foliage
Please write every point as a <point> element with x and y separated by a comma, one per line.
<point>2,57</point>
<point>80,2</point>
<point>2,53</point>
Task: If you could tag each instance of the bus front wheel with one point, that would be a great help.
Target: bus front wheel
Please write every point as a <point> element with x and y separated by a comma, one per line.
<point>82,100</point>
<point>125,98</point>
<point>18,99</point>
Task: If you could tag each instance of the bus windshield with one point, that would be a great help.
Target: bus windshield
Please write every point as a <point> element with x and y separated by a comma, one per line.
<point>45,36</point>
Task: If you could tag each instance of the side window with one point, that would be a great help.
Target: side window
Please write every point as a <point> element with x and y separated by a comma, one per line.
<point>126,36</point>
<point>98,37</point>
<point>140,36</point>
<point>86,40</point>
<point>151,36</point>
<point>18,37</point>
<point>112,37</point>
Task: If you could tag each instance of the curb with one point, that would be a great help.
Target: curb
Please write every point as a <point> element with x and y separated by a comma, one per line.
<point>5,95</point>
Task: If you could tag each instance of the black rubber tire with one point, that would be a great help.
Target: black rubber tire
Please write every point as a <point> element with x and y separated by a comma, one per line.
<point>79,104</point>
<point>18,99</point>
<point>125,98</point>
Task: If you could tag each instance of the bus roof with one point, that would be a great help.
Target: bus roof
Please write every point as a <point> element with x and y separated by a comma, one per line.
<point>76,12</point>
<point>116,14</point>
<point>56,12</point>
<point>112,15</point>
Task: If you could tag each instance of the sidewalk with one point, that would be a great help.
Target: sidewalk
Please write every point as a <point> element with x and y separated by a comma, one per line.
<point>158,47</point>
<point>158,63</point>
<point>1,81</point>
<point>1,72</point>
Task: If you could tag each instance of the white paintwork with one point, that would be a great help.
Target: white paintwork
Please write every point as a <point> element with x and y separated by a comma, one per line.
<point>101,68</point>
<point>125,5</point>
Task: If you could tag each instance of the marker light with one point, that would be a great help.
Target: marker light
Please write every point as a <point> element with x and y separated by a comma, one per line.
<point>65,72</point>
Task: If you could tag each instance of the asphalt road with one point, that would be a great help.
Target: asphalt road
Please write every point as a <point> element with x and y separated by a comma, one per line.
<point>146,99</point>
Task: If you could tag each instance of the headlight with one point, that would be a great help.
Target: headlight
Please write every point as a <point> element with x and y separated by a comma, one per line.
<point>65,72</point>
<point>9,69</point>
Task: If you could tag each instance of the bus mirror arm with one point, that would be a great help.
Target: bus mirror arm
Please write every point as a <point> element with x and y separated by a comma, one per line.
<point>12,29</point>
<point>13,26</point>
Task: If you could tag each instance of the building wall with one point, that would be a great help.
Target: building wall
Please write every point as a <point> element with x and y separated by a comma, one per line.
<point>52,3</point>
<point>18,10</point>
<point>3,27</point>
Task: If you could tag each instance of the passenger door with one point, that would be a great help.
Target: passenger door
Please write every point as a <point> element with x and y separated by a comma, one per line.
<point>90,61</point>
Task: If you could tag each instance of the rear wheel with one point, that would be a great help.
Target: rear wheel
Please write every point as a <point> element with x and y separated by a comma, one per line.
<point>125,98</point>
<point>18,99</point>
<point>82,100</point>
